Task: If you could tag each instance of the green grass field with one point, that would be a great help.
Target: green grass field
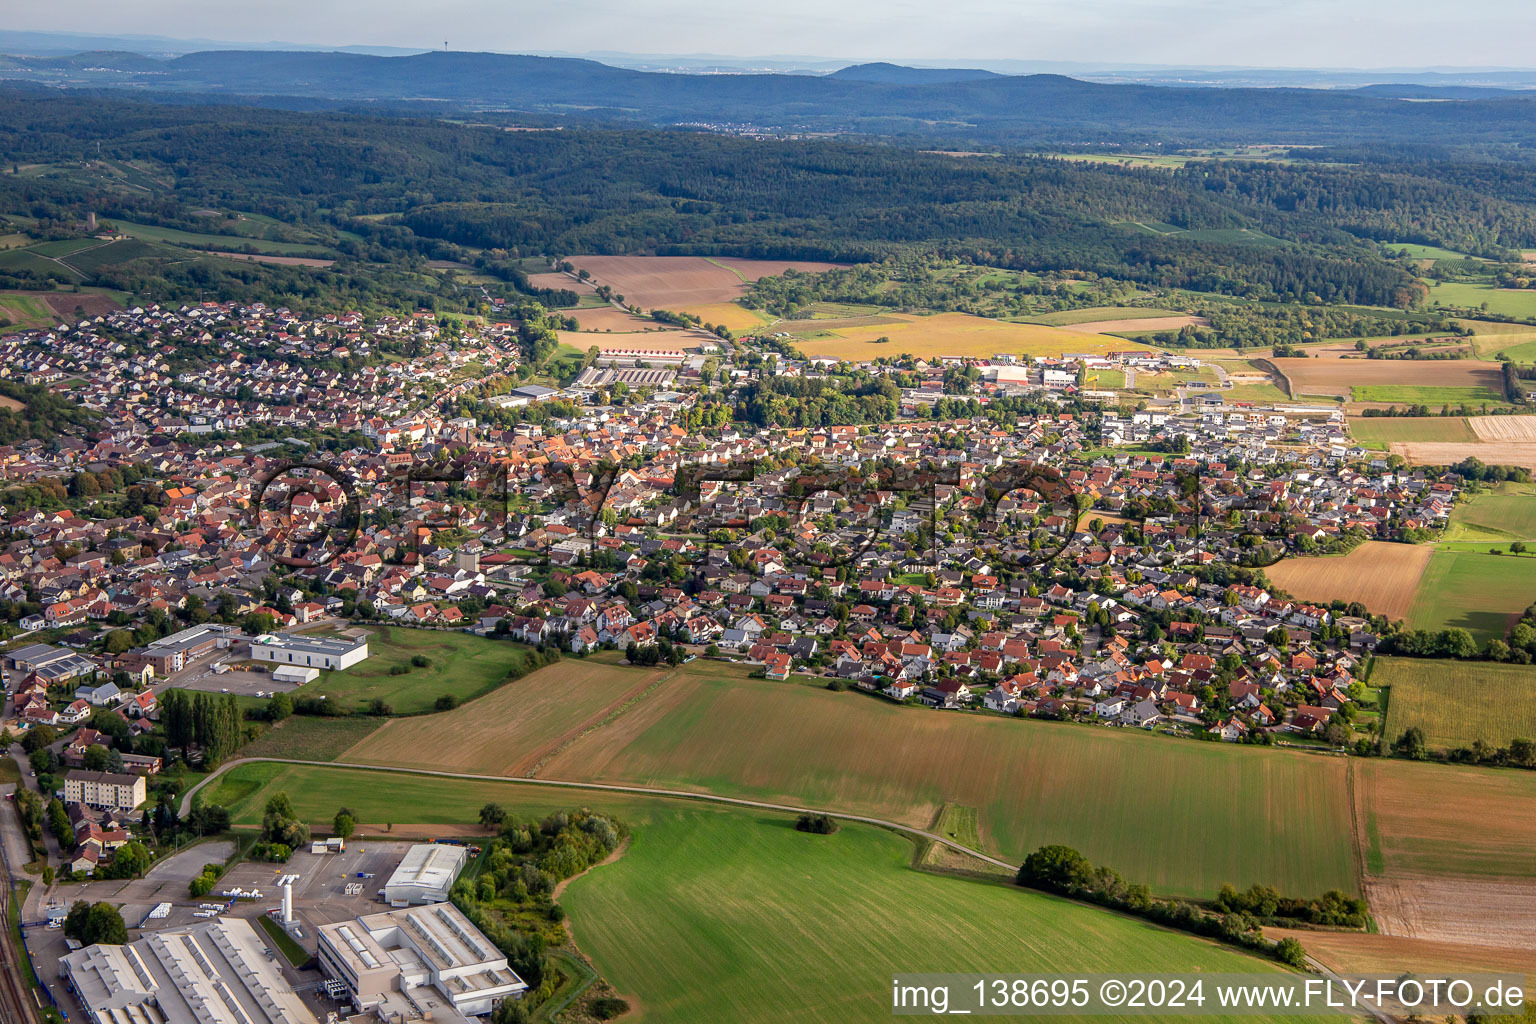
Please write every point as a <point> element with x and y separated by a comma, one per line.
<point>1473,295</point>
<point>1379,431</point>
<point>1412,394</point>
<point>1069,317</point>
<point>1457,702</point>
<point>717,915</point>
<point>1474,590</point>
<point>1424,252</point>
<point>310,738</point>
<point>24,310</point>
<point>462,665</point>
<point>1505,513</point>
<point>205,240</point>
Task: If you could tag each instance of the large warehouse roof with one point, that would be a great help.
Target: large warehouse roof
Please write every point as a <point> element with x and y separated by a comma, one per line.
<point>426,874</point>
<point>216,973</point>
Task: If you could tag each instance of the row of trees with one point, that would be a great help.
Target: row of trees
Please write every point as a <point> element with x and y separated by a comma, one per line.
<point>209,721</point>
<point>1061,869</point>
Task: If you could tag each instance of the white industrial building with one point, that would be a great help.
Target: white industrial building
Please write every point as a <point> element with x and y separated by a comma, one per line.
<point>294,674</point>
<point>418,963</point>
<point>331,652</point>
<point>426,874</point>
<point>214,973</point>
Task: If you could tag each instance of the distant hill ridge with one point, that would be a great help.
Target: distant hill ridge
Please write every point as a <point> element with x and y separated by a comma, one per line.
<point>935,105</point>
<point>897,74</point>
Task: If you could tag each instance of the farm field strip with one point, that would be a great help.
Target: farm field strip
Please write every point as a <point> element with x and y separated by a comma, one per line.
<point>1385,429</point>
<point>1457,702</point>
<point>953,334</point>
<point>773,900</point>
<point>803,744</point>
<point>1448,453</point>
<point>1504,428</point>
<point>680,282</point>
<point>1473,590</point>
<point>524,720</point>
<point>1339,376</point>
<point>1383,576</point>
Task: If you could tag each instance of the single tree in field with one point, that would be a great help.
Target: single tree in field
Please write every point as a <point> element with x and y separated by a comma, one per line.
<point>492,815</point>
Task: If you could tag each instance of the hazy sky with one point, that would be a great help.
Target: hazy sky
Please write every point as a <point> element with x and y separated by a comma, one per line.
<point>1270,33</point>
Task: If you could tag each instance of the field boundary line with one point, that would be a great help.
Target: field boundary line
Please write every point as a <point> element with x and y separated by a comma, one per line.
<point>1356,833</point>
<point>674,794</point>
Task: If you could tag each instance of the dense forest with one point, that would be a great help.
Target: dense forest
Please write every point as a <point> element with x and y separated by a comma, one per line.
<point>385,195</point>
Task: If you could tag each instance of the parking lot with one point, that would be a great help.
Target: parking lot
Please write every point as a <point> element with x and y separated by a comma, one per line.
<point>246,679</point>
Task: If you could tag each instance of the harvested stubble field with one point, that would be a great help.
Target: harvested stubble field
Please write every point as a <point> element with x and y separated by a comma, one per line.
<point>1447,851</point>
<point>607,319</point>
<point>683,282</point>
<point>1339,376</point>
<point>1445,821</point>
<point>1501,453</point>
<point>730,315</point>
<point>1137,325</point>
<point>1381,575</point>
<point>950,334</point>
<point>707,728</point>
<point>515,727</point>
<point>1501,429</point>
<point>1458,702</point>
<point>1365,953</point>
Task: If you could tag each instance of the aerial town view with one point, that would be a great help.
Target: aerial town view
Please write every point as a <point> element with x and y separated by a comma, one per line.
<point>1020,512</point>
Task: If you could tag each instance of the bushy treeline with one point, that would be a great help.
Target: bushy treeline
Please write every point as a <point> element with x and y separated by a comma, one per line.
<point>1412,744</point>
<point>43,415</point>
<point>818,402</point>
<point>1061,869</point>
<point>511,899</point>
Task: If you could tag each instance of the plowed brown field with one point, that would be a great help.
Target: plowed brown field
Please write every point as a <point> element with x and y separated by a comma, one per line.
<point>678,282</point>
<point>1337,376</point>
<point>1380,575</point>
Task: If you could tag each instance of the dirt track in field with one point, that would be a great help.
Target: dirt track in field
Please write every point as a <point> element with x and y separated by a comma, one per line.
<point>1382,576</point>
